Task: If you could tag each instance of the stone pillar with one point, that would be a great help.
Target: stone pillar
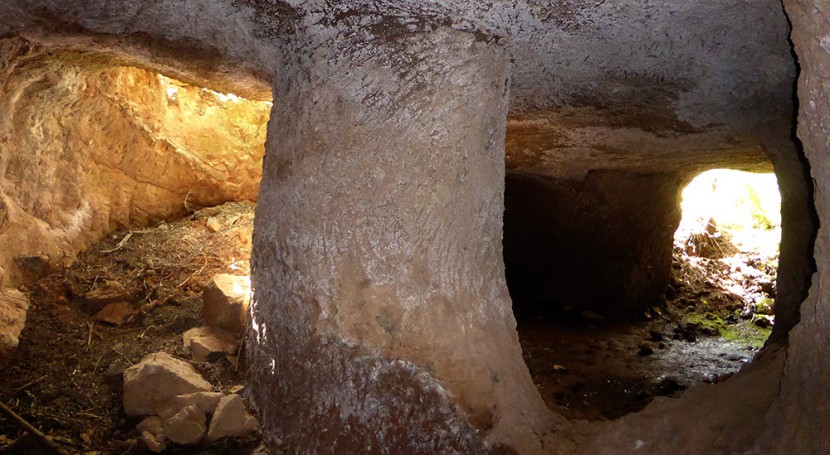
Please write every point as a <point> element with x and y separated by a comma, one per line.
<point>381,320</point>
<point>602,244</point>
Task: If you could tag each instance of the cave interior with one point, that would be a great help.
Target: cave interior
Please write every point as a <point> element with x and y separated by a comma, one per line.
<point>459,221</point>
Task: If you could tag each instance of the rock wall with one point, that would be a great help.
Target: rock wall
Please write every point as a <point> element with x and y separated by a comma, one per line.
<point>88,148</point>
<point>775,404</point>
<point>602,244</point>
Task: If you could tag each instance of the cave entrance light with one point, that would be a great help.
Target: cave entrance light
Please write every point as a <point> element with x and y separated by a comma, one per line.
<point>731,230</point>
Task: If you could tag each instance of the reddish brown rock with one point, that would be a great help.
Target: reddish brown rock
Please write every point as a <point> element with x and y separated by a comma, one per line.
<point>115,313</point>
<point>106,293</point>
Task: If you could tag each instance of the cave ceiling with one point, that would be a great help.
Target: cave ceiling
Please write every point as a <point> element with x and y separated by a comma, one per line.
<point>636,85</point>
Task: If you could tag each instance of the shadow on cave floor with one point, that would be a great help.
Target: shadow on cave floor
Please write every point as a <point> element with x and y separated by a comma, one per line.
<point>708,330</point>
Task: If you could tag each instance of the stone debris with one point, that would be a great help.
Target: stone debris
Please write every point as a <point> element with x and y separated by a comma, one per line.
<point>178,401</point>
<point>154,383</point>
<point>213,224</point>
<point>153,424</point>
<point>152,433</point>
<point>106,293</point>
<point>205,402</point>
<point>210,349</point>
<point>231,419</point>
<point>13,308</point>
<point>225,302</point>
<point>154,443</point>
<point>186,426</point>
<point>115,313</point>
<point>208,344</point>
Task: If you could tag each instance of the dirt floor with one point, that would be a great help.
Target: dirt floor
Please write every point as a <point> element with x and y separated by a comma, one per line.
<point>65,378</point>
<point>716,318</point>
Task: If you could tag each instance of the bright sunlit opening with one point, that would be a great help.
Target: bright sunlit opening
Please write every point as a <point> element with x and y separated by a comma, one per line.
<point>743,207</point>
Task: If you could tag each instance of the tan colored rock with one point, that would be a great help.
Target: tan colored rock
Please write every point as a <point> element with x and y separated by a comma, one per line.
<point>90,181</point>
<point>225,302</point>
<point>187,426</point>
<point>213,224</point>
<point>153,443</point>
<point>204,401</point>
<point>13,308</point>
<point>153,424</point>
<point>204,331</point>
<point>155,382</point>
<point>115,313</point>
<point>210,348</point>
<point>231,419</point>
<point>106,293</point>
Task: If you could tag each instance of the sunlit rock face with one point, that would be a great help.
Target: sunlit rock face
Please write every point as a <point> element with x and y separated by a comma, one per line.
<point>89,148</point>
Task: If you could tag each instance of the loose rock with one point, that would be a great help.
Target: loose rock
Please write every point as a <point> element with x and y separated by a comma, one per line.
<point>225,302</point>
<point>208,344</point>
<point>205,402</point>
<point>153,443</point>
<point>231,419</point>
<point>13,307</point>
<point>213,224</point>
<point>187,426</point>
<point>155,382</point>
<point>153,424</point>
<point>108,292</point>
<point>115,313</point>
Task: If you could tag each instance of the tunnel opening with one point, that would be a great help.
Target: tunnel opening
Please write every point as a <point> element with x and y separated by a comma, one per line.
<point>712,316</point>
<point>130,250</point>
<point>726,253</point>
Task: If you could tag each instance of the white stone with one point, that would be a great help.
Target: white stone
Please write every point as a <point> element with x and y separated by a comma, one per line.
<point>231,419</point>
<point>154,383</point>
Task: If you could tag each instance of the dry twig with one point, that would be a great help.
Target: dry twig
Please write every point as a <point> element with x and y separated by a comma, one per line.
<point>32,430</point>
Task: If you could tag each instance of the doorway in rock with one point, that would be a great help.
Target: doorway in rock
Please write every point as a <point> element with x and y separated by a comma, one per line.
<point>147,184</point>
<point>712,317</point>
